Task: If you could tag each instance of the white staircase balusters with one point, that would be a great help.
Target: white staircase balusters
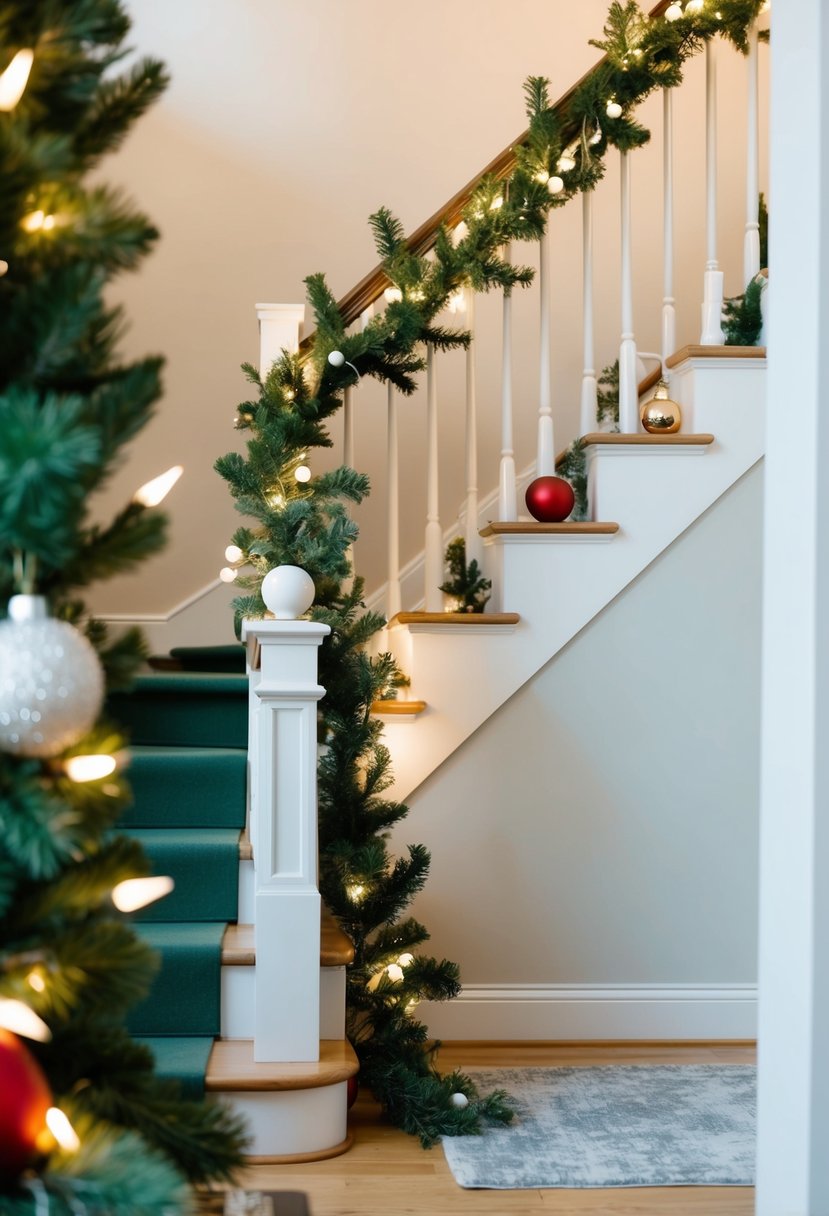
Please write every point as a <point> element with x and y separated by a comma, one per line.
<point>284,653</point>
<point>348,458</point>
<point>588,416</point>
<point>433,554</point>
<point>393,601</point>
<point>546,454</point>
<point>712,333</point>
<point>628,375</point>
<point>279,326</point>
<point>668,302</point>
<point>472,540</point>
<point>751,247</point>
<point>507,494</point>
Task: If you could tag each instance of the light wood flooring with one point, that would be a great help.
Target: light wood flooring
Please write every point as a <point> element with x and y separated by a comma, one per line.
<point>387,1173</point>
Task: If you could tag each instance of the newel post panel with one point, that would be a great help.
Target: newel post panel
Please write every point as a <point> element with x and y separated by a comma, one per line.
<point>282,657</point>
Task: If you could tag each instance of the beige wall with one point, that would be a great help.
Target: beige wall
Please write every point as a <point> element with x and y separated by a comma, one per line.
<point>287,123</point>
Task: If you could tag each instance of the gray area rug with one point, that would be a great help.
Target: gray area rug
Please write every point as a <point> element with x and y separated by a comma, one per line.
<point>663,1125</point>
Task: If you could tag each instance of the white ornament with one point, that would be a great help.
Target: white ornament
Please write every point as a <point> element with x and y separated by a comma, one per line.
<point>302,473</point>
<point>51,681</point>
<point>336,358</point>
<point>555,185</point>
<point>233,553</point>
<point>4,267</point>
<point>673,12</point>
<point>288,592</point>
<point>460,1100</point>
<point>227,574</point>
<point>613,109</point>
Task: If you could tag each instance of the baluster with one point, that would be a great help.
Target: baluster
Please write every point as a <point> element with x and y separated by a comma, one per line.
<point>589,386</point>
<point>546,458</point>
<point>348,460</point>
<point>472,539</point>
<point>751,248</point>
<point>433,556</point>
<point>628,378</point>
<point>393,602</point>
<point>668,303</point>
<point>507,495</point>
<point>712,334</point>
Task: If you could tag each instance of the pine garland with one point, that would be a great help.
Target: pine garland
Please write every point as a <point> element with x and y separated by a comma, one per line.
<point>306,524</point>
<point>465,584</point>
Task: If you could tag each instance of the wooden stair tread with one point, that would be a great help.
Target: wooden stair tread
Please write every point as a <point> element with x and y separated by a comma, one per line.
<point>649,441</point>
<point>232,1068</point>
<point>455,618</point>
<point>530,528</point>
<point>398,707</point>
<point>239,949</point>
<point>715,352</point>
<point>245,848</point>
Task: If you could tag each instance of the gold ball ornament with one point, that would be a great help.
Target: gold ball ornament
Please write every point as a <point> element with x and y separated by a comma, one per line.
<point>660,415</point>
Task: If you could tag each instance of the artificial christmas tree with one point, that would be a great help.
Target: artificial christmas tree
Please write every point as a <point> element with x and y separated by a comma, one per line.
<point>67,407</point>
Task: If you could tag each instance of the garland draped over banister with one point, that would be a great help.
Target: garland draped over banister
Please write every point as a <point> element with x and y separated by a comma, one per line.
<point>305,522</point>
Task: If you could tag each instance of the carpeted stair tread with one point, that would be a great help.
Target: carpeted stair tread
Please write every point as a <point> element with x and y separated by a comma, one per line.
<point>185,996</point>
<point>181,1059</point>
<point>205,865</point>
<point>229,658</point>
<point>187,709</point>
<point>201,787</point>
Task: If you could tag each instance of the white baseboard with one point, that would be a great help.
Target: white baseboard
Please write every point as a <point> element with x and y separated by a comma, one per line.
<point>613,1011</point>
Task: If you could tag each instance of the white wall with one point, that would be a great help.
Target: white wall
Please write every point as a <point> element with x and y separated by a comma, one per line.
<point>601,828</point>
<point>287,123</point>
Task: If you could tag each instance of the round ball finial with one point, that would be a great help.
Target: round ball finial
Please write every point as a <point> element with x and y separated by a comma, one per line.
<point>288,592</point>
<point>336,358</point>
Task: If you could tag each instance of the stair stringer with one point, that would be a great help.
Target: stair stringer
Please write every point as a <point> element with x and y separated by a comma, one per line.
<point>654,494</point>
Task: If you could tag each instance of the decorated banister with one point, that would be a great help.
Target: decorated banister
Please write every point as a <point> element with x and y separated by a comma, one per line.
<point>282,665</point>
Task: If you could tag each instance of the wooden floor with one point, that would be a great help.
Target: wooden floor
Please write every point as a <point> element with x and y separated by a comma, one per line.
<point>386,1173</point>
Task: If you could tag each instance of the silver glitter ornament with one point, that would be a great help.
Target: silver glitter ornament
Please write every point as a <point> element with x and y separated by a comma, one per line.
<point>51,681</point>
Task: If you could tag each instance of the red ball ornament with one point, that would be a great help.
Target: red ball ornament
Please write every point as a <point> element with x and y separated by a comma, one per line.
<point>352,1089</point>
<point>550,499</point>
<point>26,1097</point>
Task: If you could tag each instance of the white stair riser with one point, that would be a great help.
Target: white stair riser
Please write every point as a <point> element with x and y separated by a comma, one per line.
<point>283,1122</point>
<point>239,996</point>
<point>247,893</point>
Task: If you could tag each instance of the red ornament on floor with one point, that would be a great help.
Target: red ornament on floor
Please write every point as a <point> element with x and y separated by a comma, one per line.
<point>550,499</point>
<point>25,1100</point>
<point>352,1089</point>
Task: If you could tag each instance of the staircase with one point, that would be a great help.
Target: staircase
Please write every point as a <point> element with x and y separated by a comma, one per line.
<point>189,778</point>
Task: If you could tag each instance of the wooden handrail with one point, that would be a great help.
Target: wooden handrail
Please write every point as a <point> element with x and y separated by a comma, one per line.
<point>421,241</point>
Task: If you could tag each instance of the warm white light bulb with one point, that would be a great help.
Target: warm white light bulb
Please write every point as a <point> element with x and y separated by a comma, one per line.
<point>62,1130</point>
<point>36,981</point>
<point>14,79</point>
<point>4,267</point>
<point>227,574</point>
<point>89,768</point>
<point>673,12</point>
<point>302,473</point>
<point>48,223</point>
<point>135,893</point>
<point>233,553</point>
<point>542,176</point>
<point>20,1019</point>
<point>155,491</point>
<point>393,295</point>
<point>694,6</point>
<point>355,892</point>
<point>33,222</point>
<point>405,959</point>
<point>555,185</point>
<point>394,973</point>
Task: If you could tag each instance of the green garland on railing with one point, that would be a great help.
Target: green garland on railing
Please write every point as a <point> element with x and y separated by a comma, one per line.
<point>305,522</point>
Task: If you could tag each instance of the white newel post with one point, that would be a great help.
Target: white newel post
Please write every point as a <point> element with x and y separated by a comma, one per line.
<point>279,326</point>
<point>588,420</point>
<point>793,1072</point>
<point>712,332</point>
<point>287,927</point>
<point>628,374</point>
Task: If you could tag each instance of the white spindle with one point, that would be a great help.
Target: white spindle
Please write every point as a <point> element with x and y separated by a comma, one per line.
<point>507,495</point>
<point>472,539</point>
<point>712,334</point>
<point>668,303</point>
<point>628,378</point>
<point>348,458</point>
<point>433,557</point>
<point>546,459</point>
<point>393,601</point>
<point>589,386</point>
<point>751,248</point>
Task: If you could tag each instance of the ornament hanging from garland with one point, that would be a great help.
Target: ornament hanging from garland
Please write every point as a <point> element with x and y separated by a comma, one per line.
<point>25,1100</point>
<point>51,681</point>
<point>549,499</point>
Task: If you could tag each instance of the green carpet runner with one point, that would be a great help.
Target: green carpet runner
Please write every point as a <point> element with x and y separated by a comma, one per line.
<point>188,773</point>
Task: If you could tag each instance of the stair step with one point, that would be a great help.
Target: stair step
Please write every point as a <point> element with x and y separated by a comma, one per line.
<point>398,708</point>
<point>615,439</point>
<point>570,530</point>
<point>462,620</point>
<point>205,865</point>
<point>185,996</point>
<point>715,352</point>
<point>180,1059</point>
<point>232,1068</point>
<point>186,709</point>
<point>239,950</point>
<point>201,787</point>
